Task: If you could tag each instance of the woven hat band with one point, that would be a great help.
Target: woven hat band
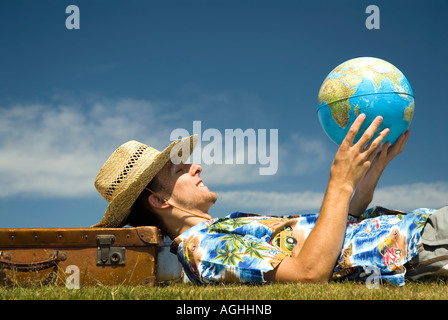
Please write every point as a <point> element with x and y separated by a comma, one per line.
<point>126,162</point>
<point>128,169</point>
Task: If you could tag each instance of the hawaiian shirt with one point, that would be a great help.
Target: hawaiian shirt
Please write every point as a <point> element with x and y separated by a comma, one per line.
<point>241,247</point>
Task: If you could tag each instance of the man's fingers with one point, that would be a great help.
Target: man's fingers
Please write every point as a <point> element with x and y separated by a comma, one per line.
<point>402,141</point>
<point>385,150</point>
<point>369,133</point>
<point>376,143</point>
<point>398,146</point>
<point>374,153</point>
<point>353,131</point>
<point>375,148</point>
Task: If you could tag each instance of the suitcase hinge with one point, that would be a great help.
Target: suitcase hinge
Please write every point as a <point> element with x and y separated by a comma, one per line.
<point>108,255</point>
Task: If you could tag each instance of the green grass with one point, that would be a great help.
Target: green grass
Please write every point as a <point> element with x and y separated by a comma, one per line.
<point>436,290</point>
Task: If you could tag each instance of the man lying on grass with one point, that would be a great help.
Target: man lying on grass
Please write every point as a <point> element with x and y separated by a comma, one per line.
<point>146,187</point>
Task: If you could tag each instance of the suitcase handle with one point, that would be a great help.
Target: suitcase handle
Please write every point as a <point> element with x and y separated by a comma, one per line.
<point>52,261</point>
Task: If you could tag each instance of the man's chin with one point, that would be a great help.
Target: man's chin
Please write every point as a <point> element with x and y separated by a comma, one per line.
<point>214,196</point>
<point>212,199</point>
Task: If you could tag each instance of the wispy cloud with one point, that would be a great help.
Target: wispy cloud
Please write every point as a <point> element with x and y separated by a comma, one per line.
<point>271,202</point>
<point>57,150</point>
<point>404,197</point>
<point>412,196</point>
<point>232,174</point>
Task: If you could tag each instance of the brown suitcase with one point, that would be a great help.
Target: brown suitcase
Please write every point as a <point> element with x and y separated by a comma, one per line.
<point>86,256</point>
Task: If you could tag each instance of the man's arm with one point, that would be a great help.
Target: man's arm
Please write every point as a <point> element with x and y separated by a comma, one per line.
<point>365,189</point>
<point>319,253</point>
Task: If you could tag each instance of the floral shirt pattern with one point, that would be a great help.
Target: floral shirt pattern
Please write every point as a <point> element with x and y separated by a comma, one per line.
<point>241,247</point>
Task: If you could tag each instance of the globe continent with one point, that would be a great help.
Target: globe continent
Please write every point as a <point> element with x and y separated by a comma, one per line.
<point>365,85</point>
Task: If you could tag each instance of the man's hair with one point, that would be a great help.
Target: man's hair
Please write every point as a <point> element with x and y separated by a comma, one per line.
<point>140,215</point>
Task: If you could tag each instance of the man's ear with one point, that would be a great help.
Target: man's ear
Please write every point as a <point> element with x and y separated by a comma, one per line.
<point>157,202</point>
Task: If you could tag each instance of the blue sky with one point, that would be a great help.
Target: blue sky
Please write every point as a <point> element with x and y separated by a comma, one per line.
<point>140,69</point>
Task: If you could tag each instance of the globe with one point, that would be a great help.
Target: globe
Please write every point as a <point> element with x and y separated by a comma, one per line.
<point>365,85</point>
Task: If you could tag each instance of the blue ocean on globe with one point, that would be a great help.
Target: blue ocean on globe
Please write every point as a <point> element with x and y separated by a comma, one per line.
<point>365,85</point>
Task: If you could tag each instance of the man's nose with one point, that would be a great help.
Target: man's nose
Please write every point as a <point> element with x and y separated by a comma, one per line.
<point>195,169</point>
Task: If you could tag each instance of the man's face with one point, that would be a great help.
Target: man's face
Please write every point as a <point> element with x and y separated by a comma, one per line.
<point>182,186</point>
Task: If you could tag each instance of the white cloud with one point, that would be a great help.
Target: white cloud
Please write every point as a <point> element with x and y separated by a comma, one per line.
<point>56,149</point>
<point>413,196</point>
<point>405,198</point>
<point>49,150</point>
<point>231,174</point>
<point>272,202</point>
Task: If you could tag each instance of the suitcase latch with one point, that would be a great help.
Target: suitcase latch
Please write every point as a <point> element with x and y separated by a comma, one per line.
<point>108,255</point>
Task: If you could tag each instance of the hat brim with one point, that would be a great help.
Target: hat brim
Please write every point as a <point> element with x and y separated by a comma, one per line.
<point>120,207</point>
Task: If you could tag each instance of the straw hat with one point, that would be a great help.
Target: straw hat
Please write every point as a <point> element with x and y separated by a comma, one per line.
<point>128,171</point>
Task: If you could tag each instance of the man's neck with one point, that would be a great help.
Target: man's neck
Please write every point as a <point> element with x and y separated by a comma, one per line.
<point>178,221</point>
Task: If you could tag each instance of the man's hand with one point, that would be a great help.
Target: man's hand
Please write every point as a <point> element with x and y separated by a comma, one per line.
<point>366,187</point>
<point>353,160</point>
